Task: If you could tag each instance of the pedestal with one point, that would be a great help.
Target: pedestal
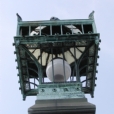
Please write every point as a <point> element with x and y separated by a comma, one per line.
<point>62,106</point>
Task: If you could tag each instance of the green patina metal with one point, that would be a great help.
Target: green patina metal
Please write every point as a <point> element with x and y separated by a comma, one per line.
<point>60,91</point>
<point>29,67</point>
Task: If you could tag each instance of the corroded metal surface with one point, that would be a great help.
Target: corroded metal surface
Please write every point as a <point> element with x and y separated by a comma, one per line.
<point>60,91</point>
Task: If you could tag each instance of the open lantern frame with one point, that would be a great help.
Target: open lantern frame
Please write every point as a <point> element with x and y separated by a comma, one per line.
<point>30,68</point>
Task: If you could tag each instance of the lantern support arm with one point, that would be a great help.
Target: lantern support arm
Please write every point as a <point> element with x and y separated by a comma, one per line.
<point>83,67</point>
<point>47,59</point>
<point>34,50</point>
<point>31,83</point>
<point>40,54</point>
<point>79,50</point>
<point>72,55</point>
<point>36,62</point>
<point>80,59</point>
<point>34,77</point>
<point>94,73</point>
<point>86,80</point>
<point>33,70</point>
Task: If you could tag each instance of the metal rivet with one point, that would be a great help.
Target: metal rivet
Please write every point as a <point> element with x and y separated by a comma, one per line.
<point>13,44</point>
<point>78,84</point>
<point>17,67</point>
<point>42,90</point>
<point>77,88</point>
<point>15,52</point>
<point>54,90</point>
<point>65,89</point>
<point>99,49</point>
<point>97,64</point>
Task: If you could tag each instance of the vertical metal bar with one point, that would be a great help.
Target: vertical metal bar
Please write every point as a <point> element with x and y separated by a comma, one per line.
<point>76,66</point>
<point>52,64</point>
<point>50,29</point>
<point>20,72</point>
<point>34,83</point>
<point>73,75</point>
<point>94,27</point>
<point>72,29</point>
<point>82,28</point>
<point>18,30</point>
<point>75,62</point>
<point>64,65</point>
<point>40,78</point>
<point>29,30</point>
<point>40,30</point>
<point>28,75</point>
<point>40,75</point>
<point>61,30</point>
<point>87,68</point>
<point>43,79</point>
<point>93,80</point>
<point>20,33</point>
<point>78,76</point>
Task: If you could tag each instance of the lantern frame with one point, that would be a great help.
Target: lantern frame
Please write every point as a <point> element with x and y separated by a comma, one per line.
<point>28,63</point>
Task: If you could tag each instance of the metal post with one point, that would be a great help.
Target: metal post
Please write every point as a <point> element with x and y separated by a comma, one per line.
<point>40,30</point>
<point>52,64</point>
<point>50,29</point>
<point>82,28</point>
<point>64,64</point>
<point>61,30</point>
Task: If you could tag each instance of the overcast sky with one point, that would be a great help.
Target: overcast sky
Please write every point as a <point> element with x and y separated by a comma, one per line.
<point>10,96</point>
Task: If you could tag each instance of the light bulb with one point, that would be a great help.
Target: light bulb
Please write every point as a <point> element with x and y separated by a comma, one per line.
<point>61,71</point>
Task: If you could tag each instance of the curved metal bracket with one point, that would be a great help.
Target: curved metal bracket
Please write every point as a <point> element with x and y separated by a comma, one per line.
<point>35,61</point>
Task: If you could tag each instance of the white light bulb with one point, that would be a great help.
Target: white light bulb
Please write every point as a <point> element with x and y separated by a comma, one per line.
<point>58,70</point>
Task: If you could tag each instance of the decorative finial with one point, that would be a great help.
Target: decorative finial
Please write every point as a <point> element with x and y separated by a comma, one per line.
<point>91,15</point>
<point>18,17</point>
<point>54,18</point>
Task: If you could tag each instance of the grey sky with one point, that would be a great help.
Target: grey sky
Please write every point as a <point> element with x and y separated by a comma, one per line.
<point>10,95</point>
